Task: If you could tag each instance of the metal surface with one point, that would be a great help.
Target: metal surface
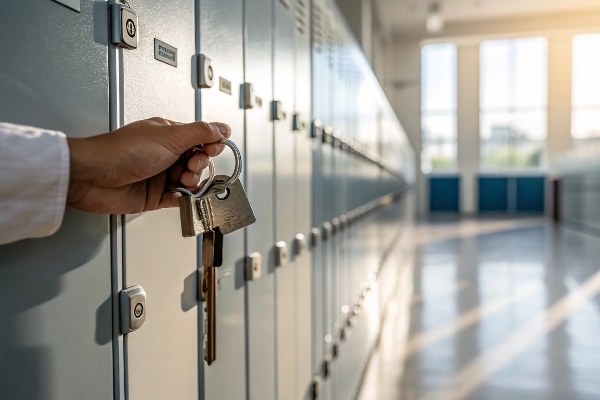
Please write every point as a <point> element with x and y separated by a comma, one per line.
<point>253,266</point>
<point>219,36</point>
<point>156,257</point>
<point>206,73</point>
<point>285,200</point>
<point>210,323</point>
<point>132,302</point>
<point>229,211</point>
<point>277,112</point>
<point>124,27</point>
<point>212,248</point>
<point>299,244</point>
<point>248,99</point>
<point>259,170</point>
<point>55,292</point>
<point>281,254</point>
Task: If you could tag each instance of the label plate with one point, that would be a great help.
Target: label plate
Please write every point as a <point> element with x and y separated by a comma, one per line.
<point>165,53</point>
<point>224,85</point>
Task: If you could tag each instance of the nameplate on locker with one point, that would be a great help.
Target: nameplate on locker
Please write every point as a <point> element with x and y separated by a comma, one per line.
<point>165,53</point>
<point>224,85</point>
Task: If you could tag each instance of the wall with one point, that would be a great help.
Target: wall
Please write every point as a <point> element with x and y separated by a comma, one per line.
<point>402,85</point>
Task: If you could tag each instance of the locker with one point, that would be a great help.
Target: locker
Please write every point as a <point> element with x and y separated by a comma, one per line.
<point>220,38</point>
<point>260,294</point>
<point>273,332</point>
<point>55,292</point>
<point>283,98</point>
<point>161,357</point>
<point>303,196</point>
<point>320,112</point>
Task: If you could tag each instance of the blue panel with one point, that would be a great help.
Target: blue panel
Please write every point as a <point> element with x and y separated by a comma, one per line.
<point>444,194</point>
<point>531,194</point>
<point>493,194</point>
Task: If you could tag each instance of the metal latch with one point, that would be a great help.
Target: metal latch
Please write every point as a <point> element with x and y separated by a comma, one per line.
<point>297,123</point>
<point>299,244</point>
<point>132,304</point>
<point>247,98</point>
<point>253,264</point>
<point>281,254</point>
<point>206,74</point>
<point>277,113</point>
<point>124,26</point>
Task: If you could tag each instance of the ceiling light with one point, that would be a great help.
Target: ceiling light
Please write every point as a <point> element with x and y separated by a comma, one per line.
<point>435,21</point>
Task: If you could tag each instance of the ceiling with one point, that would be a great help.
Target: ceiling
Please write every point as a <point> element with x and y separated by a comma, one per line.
<point>407,17</point>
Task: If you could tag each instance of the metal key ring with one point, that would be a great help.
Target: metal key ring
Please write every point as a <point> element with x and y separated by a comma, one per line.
<point>209,183</point>
<point>237,170</point>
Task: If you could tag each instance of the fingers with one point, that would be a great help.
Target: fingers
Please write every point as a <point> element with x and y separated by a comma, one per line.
<point>213,149</point>
<point>189,179</point>
<point>199,133</point>
<point>198,162</point>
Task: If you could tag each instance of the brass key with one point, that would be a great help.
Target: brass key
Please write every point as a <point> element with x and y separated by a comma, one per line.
<point>212,257</point>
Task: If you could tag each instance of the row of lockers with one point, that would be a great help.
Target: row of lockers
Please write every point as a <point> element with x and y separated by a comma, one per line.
<point>319,141</point>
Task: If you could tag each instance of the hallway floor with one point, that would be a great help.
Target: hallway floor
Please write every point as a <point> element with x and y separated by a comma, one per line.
<point>501,309</point>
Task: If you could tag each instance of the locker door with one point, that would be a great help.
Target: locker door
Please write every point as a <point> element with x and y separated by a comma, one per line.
<point>320,105</point>
<point>283,92</point>
<point>55,292</point>
<point>162,356</point>
<point>303,195</point>
<point>220,38</point>
<point>260,293</point>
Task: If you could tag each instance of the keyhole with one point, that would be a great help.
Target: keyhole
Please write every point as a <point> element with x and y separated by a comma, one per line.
<point>130,28</point>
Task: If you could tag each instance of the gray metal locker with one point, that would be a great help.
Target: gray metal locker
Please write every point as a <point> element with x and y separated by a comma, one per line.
<point>220,38</point>
<point>55,292</point>
<point>282,114</point>
<point>260,293</point>
<point>303,195</point>
<point>162,356</point>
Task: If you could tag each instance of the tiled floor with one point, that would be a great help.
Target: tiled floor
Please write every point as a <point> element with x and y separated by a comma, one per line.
<point>502,309</point>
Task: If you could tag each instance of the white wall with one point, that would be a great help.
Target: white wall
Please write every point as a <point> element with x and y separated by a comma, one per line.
<point>402,77</point>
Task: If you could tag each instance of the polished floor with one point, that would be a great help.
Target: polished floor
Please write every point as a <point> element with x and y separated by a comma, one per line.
<point>501,309</point>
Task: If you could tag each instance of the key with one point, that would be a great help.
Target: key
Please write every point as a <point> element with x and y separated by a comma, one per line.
<point>209,280</point>
<point>227,209</point>
<point>212,257</point>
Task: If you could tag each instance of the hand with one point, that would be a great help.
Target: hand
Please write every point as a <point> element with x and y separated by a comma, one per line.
<point>132,169</point>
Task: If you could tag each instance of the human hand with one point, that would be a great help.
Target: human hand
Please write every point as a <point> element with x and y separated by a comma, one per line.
<point>133,168</point>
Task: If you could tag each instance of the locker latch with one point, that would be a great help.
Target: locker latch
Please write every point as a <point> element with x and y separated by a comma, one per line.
<point>247,98</point>
<point>277,113</point>
<point>253,264</point>
<point>298,124</point>
<point>281,254</point>
<point>124,26</point>
<point>132,307</point>
<point>206,74</point>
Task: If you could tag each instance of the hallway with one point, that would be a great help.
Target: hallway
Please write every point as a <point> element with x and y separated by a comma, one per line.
<point>501,309</point>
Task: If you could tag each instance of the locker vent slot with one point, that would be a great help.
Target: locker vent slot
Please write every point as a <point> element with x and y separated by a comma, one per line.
<point>301,16</point>
<point>317,27</point>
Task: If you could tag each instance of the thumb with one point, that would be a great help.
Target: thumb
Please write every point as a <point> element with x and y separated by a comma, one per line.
<point>200,132</point>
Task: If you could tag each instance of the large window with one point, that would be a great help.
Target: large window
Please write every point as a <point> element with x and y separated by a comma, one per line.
<point>513,102</point>
<point>438,107</point>
<point>585,120</point>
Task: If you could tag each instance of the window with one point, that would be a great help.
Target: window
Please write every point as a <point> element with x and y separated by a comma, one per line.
<point>438,107</point>
<point>513,102</point>
<point>585,113</point>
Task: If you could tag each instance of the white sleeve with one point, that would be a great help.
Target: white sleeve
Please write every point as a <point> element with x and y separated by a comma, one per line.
<point>34,178</point>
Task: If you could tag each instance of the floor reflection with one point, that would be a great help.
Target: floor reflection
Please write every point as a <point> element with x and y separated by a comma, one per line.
<point>501,310</point>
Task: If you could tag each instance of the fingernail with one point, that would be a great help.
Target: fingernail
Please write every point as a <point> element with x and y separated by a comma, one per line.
<point>224,129</point>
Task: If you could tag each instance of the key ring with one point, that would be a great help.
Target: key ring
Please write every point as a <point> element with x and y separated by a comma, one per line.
<point>209,182</point>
